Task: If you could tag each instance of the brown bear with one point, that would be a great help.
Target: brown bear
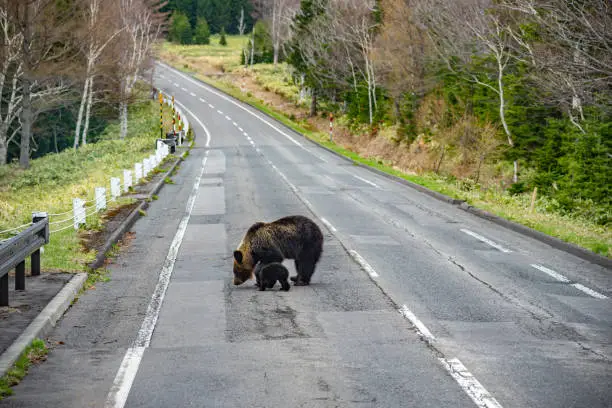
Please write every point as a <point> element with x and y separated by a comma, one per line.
<point>267,275</point>
<point>293,237</point>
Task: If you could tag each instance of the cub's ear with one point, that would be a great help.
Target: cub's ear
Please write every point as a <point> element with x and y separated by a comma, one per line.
<point>238,256</point>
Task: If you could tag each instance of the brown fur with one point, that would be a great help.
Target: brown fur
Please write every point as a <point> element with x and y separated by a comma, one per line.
<point>293,237</point>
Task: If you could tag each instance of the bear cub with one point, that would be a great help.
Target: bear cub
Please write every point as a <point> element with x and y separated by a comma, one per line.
<point>266,276</point>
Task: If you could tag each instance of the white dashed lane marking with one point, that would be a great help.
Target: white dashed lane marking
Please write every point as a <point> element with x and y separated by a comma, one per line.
<point>563,279</point>
<point>469,383</point>
<point>485,240</point>
<point>366,181</point>
<point>192,94</point>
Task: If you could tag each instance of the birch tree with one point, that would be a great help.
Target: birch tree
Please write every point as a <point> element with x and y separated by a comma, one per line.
<point>355,28</point>
<point>10,70</point>
<point>99,31</point>
<point>241,23</point>
<point>571,52</point>
<point>142,23</point>
<point>467,28</point>
<point>46,44</point>
<point>401,53</point>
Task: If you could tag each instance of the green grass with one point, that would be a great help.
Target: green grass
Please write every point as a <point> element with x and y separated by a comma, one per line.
<point>577,230</point>
<point>226,57</point>
<point>54,180</point>
<point>33,353</point>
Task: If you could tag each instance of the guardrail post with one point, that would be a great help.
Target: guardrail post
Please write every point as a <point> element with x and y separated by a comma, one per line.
<point>20,276</point>
<point>4,284</point>
<point>35,257</point>
<point>137,172</point>
<point>78,210</point>
<point>100,194</point>
<point>127,180</point>
<point>115,186</point>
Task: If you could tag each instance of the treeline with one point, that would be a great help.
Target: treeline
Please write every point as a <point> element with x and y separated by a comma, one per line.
<point>67,68</point>
<point>194,20</point>
<point>520,87</point>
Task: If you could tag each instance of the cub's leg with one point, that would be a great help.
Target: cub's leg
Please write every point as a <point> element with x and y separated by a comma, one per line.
<point>285,285</point>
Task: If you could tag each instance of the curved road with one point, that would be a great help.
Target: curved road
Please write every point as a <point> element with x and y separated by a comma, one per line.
<point>414,303</point>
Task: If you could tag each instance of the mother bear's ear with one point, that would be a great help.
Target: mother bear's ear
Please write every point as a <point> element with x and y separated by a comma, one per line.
<point>238,256</point>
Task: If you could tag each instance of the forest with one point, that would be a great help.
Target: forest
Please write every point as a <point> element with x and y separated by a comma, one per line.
<point>505,94</point>
<point>515,93</point>
<point>68,68</point>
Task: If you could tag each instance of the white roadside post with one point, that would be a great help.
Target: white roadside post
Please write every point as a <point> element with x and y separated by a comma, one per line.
<point>146,167</point>
<point>137,172</point>
<point>78,212</point>
<point>100,198</point>
<point>127,180</point>
<point>115,186</point>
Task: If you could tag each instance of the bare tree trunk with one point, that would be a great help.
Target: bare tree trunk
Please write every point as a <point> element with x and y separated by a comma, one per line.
<point>77,130</point>
<point>276,48</point>
<point>3,144</point>
<point>27,116</point>
<point>441,158</point>
<point>313,103</point>
<point>87,112</point>
<point>369,82</point>
<point>55,140</point>
<point>252,46</point>
<point>275,34</point>
<point>241,25</point>
<point>123,118</point>
<point>502,113</point>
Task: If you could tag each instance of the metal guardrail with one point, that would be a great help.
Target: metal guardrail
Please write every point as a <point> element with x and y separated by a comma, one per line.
<point>15,250</point>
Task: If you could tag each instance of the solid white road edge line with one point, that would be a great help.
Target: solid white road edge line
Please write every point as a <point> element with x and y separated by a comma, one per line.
<point>418,324</point>
<point>328,224</point>
<point>469,383</point>
<point>241,107</point>
<point>126,374</point>
<point>485,240</point>
<point>362,262</point>
<point>197,120</point>
<point>563,279</point>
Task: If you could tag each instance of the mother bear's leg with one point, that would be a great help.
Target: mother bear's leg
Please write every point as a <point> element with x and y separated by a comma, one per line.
<point>305,265</point>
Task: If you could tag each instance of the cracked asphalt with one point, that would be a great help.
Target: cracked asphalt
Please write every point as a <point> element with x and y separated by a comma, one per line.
<point>480,324</point>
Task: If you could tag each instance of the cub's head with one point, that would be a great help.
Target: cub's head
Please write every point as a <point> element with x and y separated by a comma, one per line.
<point>243,268</point>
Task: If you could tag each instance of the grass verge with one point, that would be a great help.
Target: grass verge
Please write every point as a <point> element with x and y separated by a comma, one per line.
<point>576,230</point>
<point>34,353</point>
<point>51,183</point>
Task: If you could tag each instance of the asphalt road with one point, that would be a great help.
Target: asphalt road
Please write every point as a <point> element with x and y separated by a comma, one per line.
<point>414,302</point>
